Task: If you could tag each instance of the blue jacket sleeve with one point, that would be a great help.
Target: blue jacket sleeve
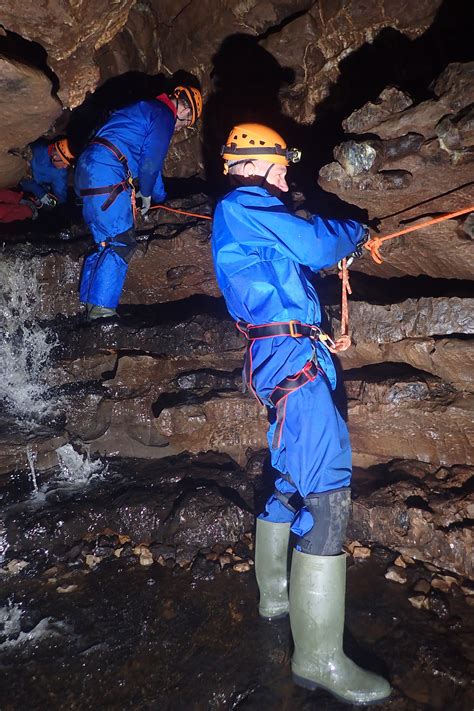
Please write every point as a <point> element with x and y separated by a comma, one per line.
<point>318,244</point>
<point>159,193</point>
<point>59,184</point>
<point>31,186</point>
<point>154,149</point>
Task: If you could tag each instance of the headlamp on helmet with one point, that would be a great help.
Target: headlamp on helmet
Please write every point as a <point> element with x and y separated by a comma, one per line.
<point>253,141</point>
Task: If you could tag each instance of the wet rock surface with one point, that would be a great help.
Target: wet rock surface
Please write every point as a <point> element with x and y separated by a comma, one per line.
<point>130,617</point>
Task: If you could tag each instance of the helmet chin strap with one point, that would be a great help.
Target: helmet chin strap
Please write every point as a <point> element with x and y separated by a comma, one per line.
<point>264,177</point>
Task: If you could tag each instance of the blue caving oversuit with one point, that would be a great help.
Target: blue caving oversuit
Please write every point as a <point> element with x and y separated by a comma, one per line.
<point>263,257</point>
<point>45,177</point>
<point>142,133</point>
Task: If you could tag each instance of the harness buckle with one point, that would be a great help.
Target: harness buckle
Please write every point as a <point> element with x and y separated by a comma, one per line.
<point>314,333</point>
<point>293,325</point>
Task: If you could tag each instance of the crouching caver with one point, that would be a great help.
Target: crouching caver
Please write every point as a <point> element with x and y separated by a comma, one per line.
<point>131,145</point>
<point>263,255</point>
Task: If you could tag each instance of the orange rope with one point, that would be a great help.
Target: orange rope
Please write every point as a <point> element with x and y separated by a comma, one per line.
<point>374,244</point>
<point>346,289</point>
<point>181,212</point>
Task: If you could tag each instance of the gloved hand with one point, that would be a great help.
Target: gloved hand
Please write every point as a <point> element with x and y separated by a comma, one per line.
<point>49,200</point>
<point>32,206</point>
<point>359,249</point>
<point>145,203</point>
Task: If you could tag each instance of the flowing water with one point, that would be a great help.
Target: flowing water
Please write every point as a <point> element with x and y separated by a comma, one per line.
<point>26,347</point>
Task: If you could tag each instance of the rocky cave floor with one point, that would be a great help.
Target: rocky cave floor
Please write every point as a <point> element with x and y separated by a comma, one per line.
<point>103,620</point>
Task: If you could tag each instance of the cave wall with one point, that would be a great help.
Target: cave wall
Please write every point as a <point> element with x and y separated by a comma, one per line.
<point>84,44</point>
<point>399,154</point>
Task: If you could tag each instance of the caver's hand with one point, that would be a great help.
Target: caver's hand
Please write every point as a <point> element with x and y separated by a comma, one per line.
<point>145,203</point>
<point>341,344</point>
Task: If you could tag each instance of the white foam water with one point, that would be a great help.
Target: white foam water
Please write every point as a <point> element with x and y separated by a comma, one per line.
<point>76,468</point>
<point>25,345</point>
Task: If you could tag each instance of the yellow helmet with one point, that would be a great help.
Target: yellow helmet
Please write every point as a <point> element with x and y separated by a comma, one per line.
<point>194,99</point>
<point>62,147</point>
<point>253,141</point>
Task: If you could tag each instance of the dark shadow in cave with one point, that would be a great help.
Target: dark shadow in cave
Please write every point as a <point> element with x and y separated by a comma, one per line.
<point>247,81</point>
<point>387,291</point>
<point>176,311</point>
<point>19,49</point>
<point>114,94</point>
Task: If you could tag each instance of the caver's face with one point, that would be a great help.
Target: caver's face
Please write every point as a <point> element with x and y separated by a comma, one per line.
<point>183,115</point>
<point>56,159</point>
<point>276,176</point>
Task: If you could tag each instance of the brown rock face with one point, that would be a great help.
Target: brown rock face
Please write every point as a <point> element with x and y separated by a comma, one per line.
<point>423,160</point>
<point>21,86</point>
<point>424,514</point>
<point>70,32</point>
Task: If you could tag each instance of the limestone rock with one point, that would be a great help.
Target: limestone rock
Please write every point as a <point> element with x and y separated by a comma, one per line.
<point>424,177</point>
<point>70,32</point>
<point>421,522</point>
<point>22,85</point>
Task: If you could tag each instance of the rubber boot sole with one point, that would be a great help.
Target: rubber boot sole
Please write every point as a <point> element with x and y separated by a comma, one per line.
<point>313,686</point>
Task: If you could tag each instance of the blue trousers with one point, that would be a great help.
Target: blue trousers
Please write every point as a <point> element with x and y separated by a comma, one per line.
<point>104,271</point>
<point>311,449</point>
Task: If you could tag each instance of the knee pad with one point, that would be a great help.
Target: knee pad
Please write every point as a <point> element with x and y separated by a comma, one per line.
<point>125,245</point>
<point>330,511</point>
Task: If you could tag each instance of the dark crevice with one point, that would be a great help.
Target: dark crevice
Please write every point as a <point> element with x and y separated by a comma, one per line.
<point>176,399</point>
<point>417,502</point>
<point>388,370</point>
<point>465,524</point>
<point>278,28</point>
<point>15,47</point>
<point>180,310</point>
<point>395,290</point>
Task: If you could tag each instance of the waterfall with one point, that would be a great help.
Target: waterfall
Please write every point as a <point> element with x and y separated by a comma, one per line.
<point>25,346</point>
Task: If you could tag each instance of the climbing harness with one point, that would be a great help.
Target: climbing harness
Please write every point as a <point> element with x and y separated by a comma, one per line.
<point>374,244</point>
<point>113,191</point>
<point>278,396</point>
<point>293,329</point>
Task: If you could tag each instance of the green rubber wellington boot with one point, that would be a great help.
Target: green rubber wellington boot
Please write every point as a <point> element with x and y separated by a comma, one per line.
<point>271,568</point>
<point>317,602</point>
<point>95,312</point>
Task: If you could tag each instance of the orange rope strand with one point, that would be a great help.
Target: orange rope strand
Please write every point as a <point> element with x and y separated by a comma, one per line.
<point>374,244</point>
<point>180,212</point>
<point>346,289</point>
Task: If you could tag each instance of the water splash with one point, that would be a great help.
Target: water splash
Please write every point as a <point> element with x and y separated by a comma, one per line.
<point>11,634</point>
<point>31,457</point>
<point>26,346</point>
<point>4,545</point>
<point>78,469</point>
<point>10,621</point>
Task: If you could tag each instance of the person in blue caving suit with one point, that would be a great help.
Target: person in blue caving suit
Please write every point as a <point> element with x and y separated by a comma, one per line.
<point>263,255</point>
<point>49,165</point>
<point>130,146</point>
